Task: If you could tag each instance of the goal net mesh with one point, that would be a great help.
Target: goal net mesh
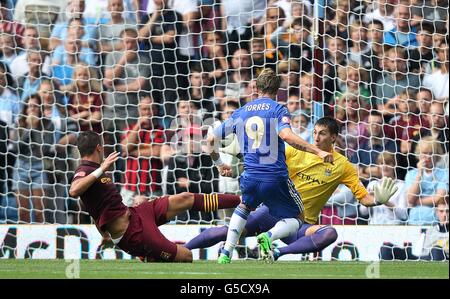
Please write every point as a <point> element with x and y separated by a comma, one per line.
<point>154,80</point>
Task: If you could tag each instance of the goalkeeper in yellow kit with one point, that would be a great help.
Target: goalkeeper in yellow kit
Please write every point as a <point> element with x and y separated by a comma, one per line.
<point>315,181</point>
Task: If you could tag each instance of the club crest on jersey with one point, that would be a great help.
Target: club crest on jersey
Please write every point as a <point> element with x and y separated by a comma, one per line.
<point>105,180</point>
<point>327,171</point>
<point>286,120</point>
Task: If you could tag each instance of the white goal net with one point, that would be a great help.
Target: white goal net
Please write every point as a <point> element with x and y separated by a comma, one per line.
<point>151,76</point>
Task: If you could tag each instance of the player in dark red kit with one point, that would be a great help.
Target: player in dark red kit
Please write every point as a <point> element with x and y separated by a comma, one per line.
<point>135,229</point>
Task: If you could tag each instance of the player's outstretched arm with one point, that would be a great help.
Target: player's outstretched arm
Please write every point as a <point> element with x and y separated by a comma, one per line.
<point>295,141</point>
<point>80,186</point>
<point>224,169</point>
<point>383,191</point>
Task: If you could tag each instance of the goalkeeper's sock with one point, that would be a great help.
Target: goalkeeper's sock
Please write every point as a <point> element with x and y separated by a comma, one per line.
<point>284,228</point>
<point>322,238</point>
<point>213,202</point>
<point>208,238</point>
<point>237,224</point>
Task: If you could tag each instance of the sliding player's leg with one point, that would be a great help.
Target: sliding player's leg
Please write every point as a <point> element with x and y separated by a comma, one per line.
<point>310,238</point>
<point>200,202</point>
<point>258,221</point>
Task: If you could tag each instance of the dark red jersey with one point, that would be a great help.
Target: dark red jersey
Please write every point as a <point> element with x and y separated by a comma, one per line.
<point>102,200</point>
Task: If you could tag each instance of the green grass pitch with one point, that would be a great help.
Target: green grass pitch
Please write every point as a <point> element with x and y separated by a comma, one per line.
<point>107,269</point>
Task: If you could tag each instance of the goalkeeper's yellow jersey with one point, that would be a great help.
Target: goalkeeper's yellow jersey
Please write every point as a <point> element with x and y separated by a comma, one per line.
<point>316,181</point>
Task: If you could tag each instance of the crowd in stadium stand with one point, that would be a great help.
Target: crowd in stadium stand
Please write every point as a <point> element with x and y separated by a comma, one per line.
<point>147,74</point>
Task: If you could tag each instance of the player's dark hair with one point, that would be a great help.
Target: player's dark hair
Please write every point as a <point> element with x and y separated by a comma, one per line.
<point>87,142</point>
<point>268,82</point>
<point>331,124</point>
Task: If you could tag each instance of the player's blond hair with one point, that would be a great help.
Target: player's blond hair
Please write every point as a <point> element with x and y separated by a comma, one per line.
<point>268,82</point>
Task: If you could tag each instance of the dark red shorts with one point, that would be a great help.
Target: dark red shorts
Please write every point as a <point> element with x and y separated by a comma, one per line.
<point>143,238</point>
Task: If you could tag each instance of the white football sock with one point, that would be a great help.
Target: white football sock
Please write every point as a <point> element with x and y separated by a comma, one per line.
<point>284,228</point>
<point>237,224</point>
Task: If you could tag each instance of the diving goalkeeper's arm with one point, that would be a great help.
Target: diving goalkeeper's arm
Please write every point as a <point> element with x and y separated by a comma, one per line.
<point>383,191</point>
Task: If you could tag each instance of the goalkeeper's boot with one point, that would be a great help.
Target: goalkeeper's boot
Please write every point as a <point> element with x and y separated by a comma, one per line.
<point>224,258</point>
<point>266,247</point>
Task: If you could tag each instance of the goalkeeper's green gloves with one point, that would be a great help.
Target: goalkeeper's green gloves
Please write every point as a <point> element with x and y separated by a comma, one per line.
<point>384,191</point>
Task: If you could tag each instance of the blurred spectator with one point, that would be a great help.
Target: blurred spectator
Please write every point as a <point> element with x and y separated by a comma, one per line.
<point>359,51</point>
<point>237,78</point>
<point>302,125</point>
<point>96,11</point>
<point>404,33</point>
<point>213,59</point>
<point>273,19</point>
<point>9,112</point>
<point>434,12</point>
<point>9,101</point>
<point>383,12</point>
<point>432,244</point>
<point>7,25</point>
<point>341,208</point>
<point>30,82</point>
<point>238,18</point>
<point>375,38</point>
<point>438,129</point>
<point>372,146</point>
<point>351,116</point>
<point>338,25</point>
<point>293,103</point>
<point>66,56</point>
<point>191,170</point>
<point>188,10</point>
<point>424,98</point>
<point>200,91</point>
<point>53,106</point>
<point>57,168</point>
<point>186,45</point>
<point>260,61</point>
<point>44,14</point>
<point>298,45</point>
<point>395,79</point>
<point>19,66</point>
<point>141,145</point>
<point>406,122</point>
<point>126,74</point>
<point>335,56</point>
<point>295,8</point>
<point>426,184</point>
<point>35,141</point>
<point>395,211</point>
<point>422,55</point>
<point>353,79</point>
<point>85,99</point>
<point>7,48</point>
<point>438,80</point>
<point>288,70</point>
<point>109,33</point>
<point>306,92</point>
<point>75,10</point>
<point>161,36</point>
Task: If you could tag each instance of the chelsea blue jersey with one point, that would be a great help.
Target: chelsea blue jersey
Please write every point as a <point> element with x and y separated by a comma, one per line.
<point>256,126</point>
